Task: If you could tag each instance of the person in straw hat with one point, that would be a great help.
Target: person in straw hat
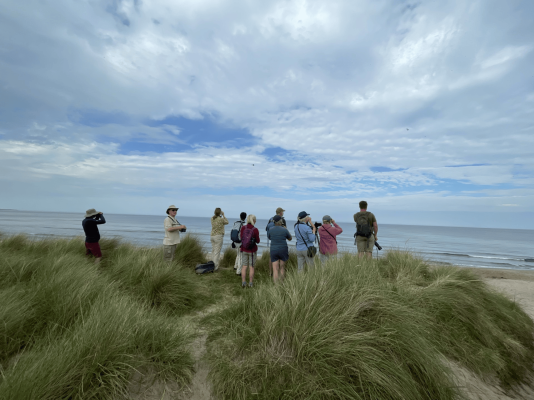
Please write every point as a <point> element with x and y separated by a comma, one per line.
<point>172,233</point>
<point>90,224</point>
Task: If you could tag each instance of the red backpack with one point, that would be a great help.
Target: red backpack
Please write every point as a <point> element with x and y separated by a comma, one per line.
<point>248,241</point>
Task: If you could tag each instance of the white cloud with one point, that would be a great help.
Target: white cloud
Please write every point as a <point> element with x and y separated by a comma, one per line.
<point>344,87</point>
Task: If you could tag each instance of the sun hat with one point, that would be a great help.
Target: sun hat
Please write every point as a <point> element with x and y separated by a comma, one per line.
<point>277,218</point>
<point>91,212</point>
<point>171,206</point>
<point>327,218</point>
<point>279,210</point>
<point>303,214</point>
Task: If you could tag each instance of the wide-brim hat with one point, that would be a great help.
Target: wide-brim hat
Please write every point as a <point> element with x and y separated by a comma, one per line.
<point>91,212</point>
<point>171,206</point>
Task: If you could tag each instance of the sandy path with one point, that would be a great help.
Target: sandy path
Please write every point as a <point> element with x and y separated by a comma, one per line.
<point>200,387</point>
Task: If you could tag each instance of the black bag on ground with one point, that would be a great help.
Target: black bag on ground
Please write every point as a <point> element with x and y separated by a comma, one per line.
<point>205,268</point>
<point>363,227</point>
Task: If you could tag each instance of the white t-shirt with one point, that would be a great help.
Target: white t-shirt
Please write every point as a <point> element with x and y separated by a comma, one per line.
<point>171,237</point>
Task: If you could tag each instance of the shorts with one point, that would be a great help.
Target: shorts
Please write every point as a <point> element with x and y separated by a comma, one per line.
<point>279,255</point>
<point>248,259</point>
<point>93,249</point>
<point>168,252</point>
<point>365,245</point>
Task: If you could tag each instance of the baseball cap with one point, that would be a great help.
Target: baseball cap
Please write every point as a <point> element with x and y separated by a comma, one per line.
<point>279,210</point>
<point>303,214</point>
<point>277,218</point>
<point>327,218</point>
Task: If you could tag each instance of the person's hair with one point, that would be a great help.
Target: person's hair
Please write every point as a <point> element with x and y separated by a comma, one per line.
<point>363,205</point>
<point>325,221</point>
<point>243,215</point>
<point>279,223</point>
<point>217,213</point>
<point>251,219</point>
<point>303,220</point>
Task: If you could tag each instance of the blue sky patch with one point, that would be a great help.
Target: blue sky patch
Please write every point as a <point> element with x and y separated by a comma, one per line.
<point>207,132</point>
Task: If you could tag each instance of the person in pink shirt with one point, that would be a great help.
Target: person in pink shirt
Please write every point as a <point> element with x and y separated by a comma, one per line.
<point>328,242</point>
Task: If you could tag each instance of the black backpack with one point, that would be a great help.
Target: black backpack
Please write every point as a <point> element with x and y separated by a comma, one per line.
<point>363,225</point>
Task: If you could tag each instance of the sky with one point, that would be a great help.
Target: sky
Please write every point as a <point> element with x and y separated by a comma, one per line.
<point>425,109</point>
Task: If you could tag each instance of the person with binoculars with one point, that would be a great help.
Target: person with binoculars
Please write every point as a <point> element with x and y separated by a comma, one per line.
<point>366,231</point>
<point>305,235</point>
<point>172,233</point>
<point>218,221</point>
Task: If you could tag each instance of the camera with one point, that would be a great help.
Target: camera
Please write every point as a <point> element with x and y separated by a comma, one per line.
<point>317,225</point>
<point>182,230</point>
<point>378,246</point>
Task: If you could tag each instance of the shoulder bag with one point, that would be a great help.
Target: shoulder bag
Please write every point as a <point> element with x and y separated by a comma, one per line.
<point>312,250</point>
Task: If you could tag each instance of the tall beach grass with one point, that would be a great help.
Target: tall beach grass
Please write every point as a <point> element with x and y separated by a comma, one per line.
<point>367,329</point>
<point>70,328</point>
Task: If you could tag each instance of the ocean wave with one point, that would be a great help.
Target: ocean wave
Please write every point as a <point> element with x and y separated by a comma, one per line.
<point>487,257</point>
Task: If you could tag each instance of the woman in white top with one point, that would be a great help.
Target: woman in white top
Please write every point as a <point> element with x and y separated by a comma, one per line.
<point>172,233</point>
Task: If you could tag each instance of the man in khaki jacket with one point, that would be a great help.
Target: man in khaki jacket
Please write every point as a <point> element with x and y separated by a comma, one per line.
<point>172,233</point>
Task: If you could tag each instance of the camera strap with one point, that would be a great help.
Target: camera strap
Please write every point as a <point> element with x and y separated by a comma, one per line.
<point>333,237</point>
<point>173,220</point>
<point>302,237</point>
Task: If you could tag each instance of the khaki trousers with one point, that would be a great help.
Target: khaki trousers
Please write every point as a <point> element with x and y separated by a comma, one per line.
<point>216,246</point>
<point>238,260</point>
<point>168,252</point>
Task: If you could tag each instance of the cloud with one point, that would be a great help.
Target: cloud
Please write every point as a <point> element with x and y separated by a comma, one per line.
<point>380,98</point>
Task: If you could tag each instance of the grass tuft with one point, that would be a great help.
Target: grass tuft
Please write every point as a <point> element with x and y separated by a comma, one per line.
<point>227,259</point>
<point>190,252</point>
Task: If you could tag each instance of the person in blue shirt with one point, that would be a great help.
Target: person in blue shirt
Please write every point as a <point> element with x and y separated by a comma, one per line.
<point>279,253</point>
<point>305,235</point>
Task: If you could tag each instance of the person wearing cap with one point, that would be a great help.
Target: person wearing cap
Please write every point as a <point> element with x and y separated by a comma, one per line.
<point>305,234</point>
<point>279,212</point>
<point>90,224</point>
<point>328,243</point>
<point>279,252</point>
<point>172,233</point>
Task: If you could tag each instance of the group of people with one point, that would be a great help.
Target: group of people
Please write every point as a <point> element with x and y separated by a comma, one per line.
<point>245,238</point>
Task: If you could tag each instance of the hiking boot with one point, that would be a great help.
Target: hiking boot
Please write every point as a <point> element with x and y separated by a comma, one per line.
<point>250,285</point>
<point>243,285</point>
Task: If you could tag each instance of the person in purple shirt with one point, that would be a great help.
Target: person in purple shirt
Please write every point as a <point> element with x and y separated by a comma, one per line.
<point>328,243</point>
<point>90,224</point>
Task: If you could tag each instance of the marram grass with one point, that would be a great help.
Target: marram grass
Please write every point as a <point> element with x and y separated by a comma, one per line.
<point>70,328</point>
<point>360,329</point>
<point>353,329</point>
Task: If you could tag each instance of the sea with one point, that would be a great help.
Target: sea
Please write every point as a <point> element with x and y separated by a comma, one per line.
<point>462,246</point>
